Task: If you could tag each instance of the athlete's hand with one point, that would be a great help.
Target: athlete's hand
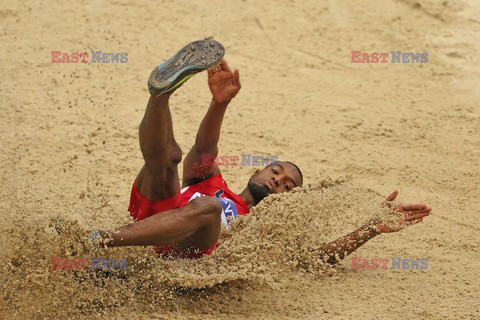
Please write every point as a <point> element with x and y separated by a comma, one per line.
<point>406,215</point>
<point>224,84</point>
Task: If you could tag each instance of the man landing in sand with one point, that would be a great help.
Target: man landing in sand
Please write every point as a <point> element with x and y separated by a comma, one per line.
<point>186,223</point>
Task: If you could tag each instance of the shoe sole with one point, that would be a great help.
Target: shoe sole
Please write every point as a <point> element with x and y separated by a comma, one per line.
<point>191,59</point>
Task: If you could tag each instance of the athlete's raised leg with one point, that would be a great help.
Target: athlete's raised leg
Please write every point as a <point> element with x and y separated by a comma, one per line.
<point>158,178</point>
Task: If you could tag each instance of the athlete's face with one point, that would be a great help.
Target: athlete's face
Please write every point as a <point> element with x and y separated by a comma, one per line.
<point>276,178</point>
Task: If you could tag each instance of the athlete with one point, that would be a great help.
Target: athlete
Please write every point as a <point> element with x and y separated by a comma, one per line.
<point>186,223</point>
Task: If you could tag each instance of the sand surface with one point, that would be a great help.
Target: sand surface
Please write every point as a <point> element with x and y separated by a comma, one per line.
<point>69,153</point>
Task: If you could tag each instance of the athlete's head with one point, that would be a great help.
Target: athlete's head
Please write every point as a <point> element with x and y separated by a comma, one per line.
<point>280,176</point>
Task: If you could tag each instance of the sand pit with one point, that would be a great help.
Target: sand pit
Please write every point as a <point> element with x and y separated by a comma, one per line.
<point>69,153</point>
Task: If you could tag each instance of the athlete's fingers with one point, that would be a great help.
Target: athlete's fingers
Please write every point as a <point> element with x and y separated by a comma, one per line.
<point>417,210</point>
<point>426,209</point>
<point>236,78</point>
<point>392,196</point>
<point>410,217</point>
<point>414,206</point>
<point>224,65</point>
<point>412,222</point>
<point>210,72</point>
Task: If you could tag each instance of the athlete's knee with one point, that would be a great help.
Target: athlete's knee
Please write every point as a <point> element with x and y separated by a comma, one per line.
<point>175,154</point>
<point>164,160</point>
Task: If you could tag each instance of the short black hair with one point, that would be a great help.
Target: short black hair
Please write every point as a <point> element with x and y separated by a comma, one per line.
<point>293,164</point>
<point>299,171</point>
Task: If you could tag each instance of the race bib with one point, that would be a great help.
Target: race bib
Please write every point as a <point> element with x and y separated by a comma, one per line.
<point>229,211</point>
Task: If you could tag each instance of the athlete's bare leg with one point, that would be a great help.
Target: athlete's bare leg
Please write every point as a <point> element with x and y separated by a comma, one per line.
<point>158,179</point>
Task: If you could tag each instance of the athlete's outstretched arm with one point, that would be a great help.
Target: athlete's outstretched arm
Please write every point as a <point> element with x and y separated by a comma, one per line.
<point>408,214</point>
<point>199,163</point>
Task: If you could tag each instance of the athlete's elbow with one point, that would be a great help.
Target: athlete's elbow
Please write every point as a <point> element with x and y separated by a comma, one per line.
<point>206,151</point>
<point>329,257</point>
<point>331,260</point>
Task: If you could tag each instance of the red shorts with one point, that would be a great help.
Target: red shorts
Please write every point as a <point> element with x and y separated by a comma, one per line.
<point>141,208</point>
